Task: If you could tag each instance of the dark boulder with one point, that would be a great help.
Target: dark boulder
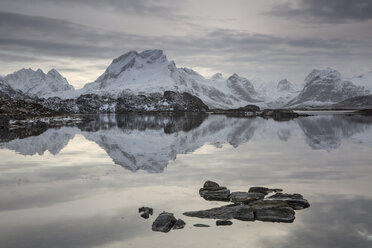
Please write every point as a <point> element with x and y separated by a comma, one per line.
<point>164,222</point>
<point>146,212</point>
<point>212,191</point>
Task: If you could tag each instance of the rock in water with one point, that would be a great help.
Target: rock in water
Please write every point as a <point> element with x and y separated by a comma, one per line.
<point>212,191</point>
<point>146,212</point>
<point>273,211</point>
<point>223,223</point>
<point>245,197</point>
<point>295,201</point>
<point>240,212</point>
<point>201,225</point>
<point>164,222</point>
<point>282,214</point>
<point>179,224</point>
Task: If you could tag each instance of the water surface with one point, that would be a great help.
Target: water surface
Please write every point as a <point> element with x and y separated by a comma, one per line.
<point>81,186</point>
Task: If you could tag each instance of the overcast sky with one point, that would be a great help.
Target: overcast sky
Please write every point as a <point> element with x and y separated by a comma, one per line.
<point>267,39</point>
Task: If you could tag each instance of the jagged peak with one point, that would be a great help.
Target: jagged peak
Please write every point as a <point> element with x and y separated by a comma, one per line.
<point>53,72</point>
<point>327,73</point>
<point>236,77</point>
<point>284,85</point>
<point>217,76</point>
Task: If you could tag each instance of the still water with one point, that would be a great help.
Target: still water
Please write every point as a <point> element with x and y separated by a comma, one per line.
<point>81,186</point>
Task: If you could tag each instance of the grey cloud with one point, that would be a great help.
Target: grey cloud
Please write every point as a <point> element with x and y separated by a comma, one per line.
<point>220,48</point>
<point>337,222</point>
<point>330,11</point>
<point>165,9</point>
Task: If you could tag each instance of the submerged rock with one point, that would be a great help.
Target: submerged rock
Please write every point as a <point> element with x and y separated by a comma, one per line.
<point>179,224</point>
<point>146,212</point>
<point>224,223</point>
<point>164,222</point>
<point>245,197</point>
<point>201,225</point>
<point>212,191</point>
<point>295,201</point>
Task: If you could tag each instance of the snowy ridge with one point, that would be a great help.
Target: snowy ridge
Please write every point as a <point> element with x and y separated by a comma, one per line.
<point>37,83</point>
<point>151,72</point>
<point>364,80</point>
<point>326,87</point>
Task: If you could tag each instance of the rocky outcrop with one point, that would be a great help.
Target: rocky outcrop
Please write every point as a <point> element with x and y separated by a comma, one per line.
<point>212,191</point>
<point>166,221</point>
<point>17,109</point>
<point>251,206</point>
<point>233,211</point>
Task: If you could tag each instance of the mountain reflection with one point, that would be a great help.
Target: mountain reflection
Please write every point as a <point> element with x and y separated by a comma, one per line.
<point>149,142</point>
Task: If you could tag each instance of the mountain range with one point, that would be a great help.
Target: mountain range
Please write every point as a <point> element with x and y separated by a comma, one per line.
<point>148,81</point>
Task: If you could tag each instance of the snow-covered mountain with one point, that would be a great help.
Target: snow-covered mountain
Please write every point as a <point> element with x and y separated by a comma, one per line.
<point>37,83</point>
<point>276,95</point>
<point>143,81</point>
<point>326,87</point>
<point>285,86</point>
<point>151,72</point>
<point>364,80</point>
<point>7,91</point>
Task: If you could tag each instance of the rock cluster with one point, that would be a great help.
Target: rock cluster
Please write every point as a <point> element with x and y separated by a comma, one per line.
<point>251,205</point>
<point>166,221</point>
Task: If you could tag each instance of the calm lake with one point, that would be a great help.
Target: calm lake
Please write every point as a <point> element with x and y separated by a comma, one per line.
<point>81,186</point>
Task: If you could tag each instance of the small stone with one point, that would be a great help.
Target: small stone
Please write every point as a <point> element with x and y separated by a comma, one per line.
<point>223,223</point>
<point>201,225</point>
<point>179,224</point>
<point>146,212</point>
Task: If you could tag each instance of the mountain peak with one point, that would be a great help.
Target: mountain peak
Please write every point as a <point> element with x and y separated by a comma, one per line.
<point>133,59</point>
<point>327,75</point>
<point>285,85</point>
<point>217,76</point>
